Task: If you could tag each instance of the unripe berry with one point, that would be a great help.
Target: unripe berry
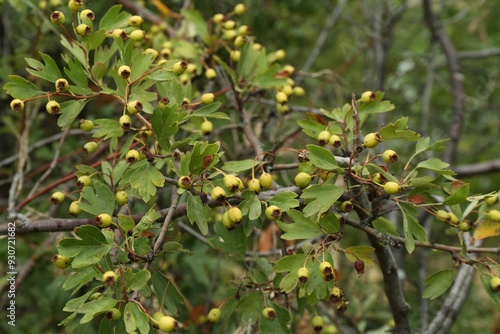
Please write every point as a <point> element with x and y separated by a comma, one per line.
<point>302,180</point>
<point>151,51</point>
<point>207,98</point>
<point>453,219</point>
<point>392,187</point>
<point>298,91</point>
<point>230,34</point>
<point>109,277</point>
<point>137,35</point>
<point>281,98</point>
<point>335,141</point>
<point>87,14</point>
<point>103,220</point>
<point>317,322</point>
<point>494,215</point>
<point>280,54</point>
<point>132,156</point>
<point>303,274</point>
<point>231,182</point>
<point>75,5</point>
<point>495,284</point>
<point>191,68</point>
<point>167,324</point>
<point>53,107</point>
<point>390,156</point>
<point>113,314</point>
<point>74,209</point>
<point>57,197</point>
<point>125,122</point>
<point>227,222</point>
<point>368,97</point>
<point>442,215</point>
<point>62,85</point>
<point>17,105</point>
<point>119,33</point>
<point>372,139</point>
<point>57,17</point>
<point>464,226</point>
<point>323,137</point>
<point>214,315</point>
<point>179,67</point>
<point>210,74</point>
<point>239,41</point>
<point>207,127</point>
<point>235,215</point>
<point>83,181</point>
<point>83,29</point>
<point>95,296</point>
<point>254,185</point>
<point>288,90</point>
<point>218,194</point>
<point>61,262</point>
<point>326,270</point>
<point>240,9</point>
<point>124,71</point>
<point>490,200</point>
<point>218,18</point>
<point>229,24</point>
<point>282,108</point>
<point>266,180</point>
<point>235,55</point>
<point>134,107</point>
<point>185,182</point>
<point>289,69</point>
<point>121,197</point>
<point>90,147</point>
<point>269,313</point>
<point>135,20</point>
<point>347,206</point>
<point>273,212</point>
<point>243,30</point>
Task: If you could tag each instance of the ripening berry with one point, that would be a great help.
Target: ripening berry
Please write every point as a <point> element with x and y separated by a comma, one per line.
<point>303,274</point>
<point>282,108</point>
<point>266,180</point>
<point>207,127</point>
<point>121,197</point>
<point>317,322</point>
<point>179,67</point>
<point>61,262</point>
<point>288,69</point>
<point>135,21</point>
<point>495,284</point>
<point>372,139</point>
<point>326,270</point>
<point>239,41</point>
<point>235,55</point>
<point>83,181</point>
<point>113,314</point>
<point>240,9</point>
<point>185,182</point>
<point>235,215</point>
<point>442,215</point>
<point>464,226</point>
<point>281,98</point>
<point>109,277</point>
<point>368,97</point>
<point>137,35</point>
<point>103,220</point>
<point>210,74</point>
<point>227,222</point>
<point>132,156</point>
<point>75,5</point>
<point>87,14</point>
<point>494,215</point>
<point>302,180</point>
<point>218,18</point>
<point>335,141</point>
<point>119,33</point>
<point>133,107</point>
<point>254,185</point>
<point>152,52</point>
<point>57,17</point>
<point>229,35</point>
<point>347,206</point>
<point>231,182</point>
<point>62,85</point>
<point>359,265</point>
<point>273,212</point>
<point>83,30</point>
<point>390,156</point>
<point>167,324</point>
<point>323,137</point>
<point>125,122</point>
<point>90,147</point>
<point>269,313</point>
<point>243,30</point>
<point>392,187</point>
<point>453,219</point>
<point>53,107</point>
<point>207,98</point>
<point>57,197</point>
<point>280,54</point>
<point>124,71</point>
<point>218,194</point>
<point>17,105</point>
<point>298,91</point>
<point>214,315</point>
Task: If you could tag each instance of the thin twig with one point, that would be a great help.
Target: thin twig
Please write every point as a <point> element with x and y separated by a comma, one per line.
<point>168,218</point>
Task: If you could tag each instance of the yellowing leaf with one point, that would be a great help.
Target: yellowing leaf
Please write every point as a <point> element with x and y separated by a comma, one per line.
<point>487,229</point>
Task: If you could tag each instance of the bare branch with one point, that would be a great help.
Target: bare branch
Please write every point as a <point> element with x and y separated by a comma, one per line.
<point>493,52</point>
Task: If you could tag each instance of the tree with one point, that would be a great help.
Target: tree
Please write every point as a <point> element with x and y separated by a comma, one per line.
<point>199,208</point>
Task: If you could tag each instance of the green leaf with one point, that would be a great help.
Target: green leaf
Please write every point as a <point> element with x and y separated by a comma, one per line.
<point>114,18</point>
<point>398,130</point>
<point>200,25</point>
<point>97,199</point>
<point>87,250</point>
<point>267,78</point>
<point>146,179</point>
<point>329,223</point>
<point>95,307</point>
<point>438,283</point>
<point>239,166</point>
<point>79,278</point>
<point>166,292</point>
<point>363,253</point>
<point>302,228</point>
<point>20,88</point>
<point>208,111</point>
<point>108,128</point>
<point>146,221</point>
<point>76,73</point>
<point>323,197</point>
<point>494,295</point>
<point>199,155</point>
<point>384,225</point>
<point>137,280</point>
<point>75,50</point>
<point>125,223</point>
<point>321,157</point>
<point>69,112</point>
<point>135,319</point>
<point>285,201</point>
<point>459,196</point>
<point>94,40</point>
<point>47,70</point>
<point>198,213</point>
<point>73,304</point>
<point>164,123</point>
<point>251,205</point>
<point>411,226</point>
<point>229,242</point>
<point>436,165</point>
<point>377,106</point>
<point>289,263</point>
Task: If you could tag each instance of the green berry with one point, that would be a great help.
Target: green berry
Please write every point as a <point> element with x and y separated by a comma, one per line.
<point>109,277</point>
<point>53,107</point>
<point>239,41</point>
<point>281,98</point>
<point>442,215</point>
<point>87,14</point>
<point>119,33</point>
<point>323,137</point>
<point>372,139</point>
<point>368,97</point>
<point>235,215</point>
<point>230,34</point>
<point>269,313</point>
<point>288,90</point>
<point>210,74</point>
<point>83,181</point>
<point>95,296</point>
<point>226,221</point>
<point>273,212</point>
<point>298,91</point>
<point>103,220</point>
<point>207,98</point>
<point>464,226</point>
<point>218,194</point>
<point>137,35</point>
<point>282,108</point>
<point>302,180</point>
<point>235,55</point>
<point>57,197</point>
<point>495,284</point>
<point>134,107</point>
<point>326,270</point>
<point>132,156</point>
<point>453,219</point>
<point>229,24</point>
<point>218,18</point>
<point>61,262</point>
<point>158,315</point>
<point>191,68</point>
<point>179,67</point>
<point>57,18</point>
<point>347,206</point>
<point>244,30</point>
<point>494,215</point>
<point>303,274</point>
<point>317,323</point>
<point>167,324</point>
<point>392,187</point>
<point>207,127</point>
<point>240,9</point>
<point>266,180</point>
<point>17,105</point>
<point>121,197</point>
<point>62,85</point>
<point>231,182</point>
<point>125,122</point>
<point>75,5</point>
<point>490,200</point>
<point>335,141</point>
<point>214,315</point>
<point>280,54</point>
<point>113,314</point>
<point>135,21</point>
<point>90,147</point>
<point>390,156</point>
<point>152,52</point>
<point>254,185</point>
<point>74,209</point>
<point>83,29</point>
<point>124,71</point>
<point>289,69</point>
<point>185,182</point>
